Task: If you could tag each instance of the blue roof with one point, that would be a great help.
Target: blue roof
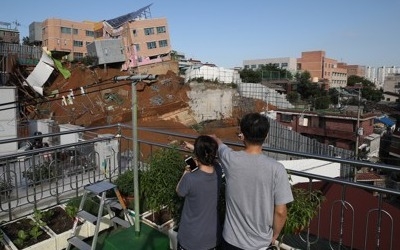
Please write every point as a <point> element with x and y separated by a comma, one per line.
<point>118,21</point>
<point>385,120</point>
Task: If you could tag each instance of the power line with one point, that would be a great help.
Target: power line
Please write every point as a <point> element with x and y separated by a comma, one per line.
<point>61,98</point>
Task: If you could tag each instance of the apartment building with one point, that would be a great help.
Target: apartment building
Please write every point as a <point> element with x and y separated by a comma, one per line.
<point>353,70</point>
<point>67,38</point>
<point>370,74</point>
<point>322,69</point>
<point>391,88</point>
<point>8,34</point>
<point>339,130</point>
<point>145,40</point>
<point>383,72</point>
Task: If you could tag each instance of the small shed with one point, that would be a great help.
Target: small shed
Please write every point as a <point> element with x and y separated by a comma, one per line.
<point>107,51</point>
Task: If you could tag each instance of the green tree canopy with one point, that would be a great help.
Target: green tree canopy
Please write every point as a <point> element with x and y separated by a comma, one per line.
<point>249,75</point>
<point>369,90</point>
<point>25,40</point>
<point>273,72</point>
<point>265,72</point>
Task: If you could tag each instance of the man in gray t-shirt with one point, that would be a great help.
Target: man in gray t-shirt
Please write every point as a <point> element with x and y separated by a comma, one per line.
<point>257,189</point>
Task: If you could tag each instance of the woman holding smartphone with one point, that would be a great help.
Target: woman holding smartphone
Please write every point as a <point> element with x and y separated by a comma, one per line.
<point>199,227</point>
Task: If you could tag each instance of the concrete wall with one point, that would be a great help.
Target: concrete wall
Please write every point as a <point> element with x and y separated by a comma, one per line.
<point>8,119</point>
<point>210,104</point>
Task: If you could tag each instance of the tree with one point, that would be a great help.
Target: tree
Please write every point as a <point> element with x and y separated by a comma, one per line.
<point>265,72</point>
<point>273,72</point>
<point>305,87</point>
<point>249,75</point>
<point>369,90</point>
<point>25,40</point>
<point>292,97</point>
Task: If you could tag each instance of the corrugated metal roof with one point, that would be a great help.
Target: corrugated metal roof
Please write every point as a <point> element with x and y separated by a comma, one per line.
<point>385,120</point>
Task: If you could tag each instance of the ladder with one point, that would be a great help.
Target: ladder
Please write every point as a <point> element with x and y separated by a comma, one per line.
<point>100,189</point>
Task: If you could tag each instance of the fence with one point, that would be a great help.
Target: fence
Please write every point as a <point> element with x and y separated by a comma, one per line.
<point>42,177</point>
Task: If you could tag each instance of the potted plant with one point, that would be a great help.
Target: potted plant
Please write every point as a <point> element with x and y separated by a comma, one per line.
<point>6,187</point>
<point>301,210</point>
<point>158,185</point>
<point>124,183</point>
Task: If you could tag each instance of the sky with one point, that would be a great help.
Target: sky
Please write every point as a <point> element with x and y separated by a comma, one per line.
<point>363,32</point>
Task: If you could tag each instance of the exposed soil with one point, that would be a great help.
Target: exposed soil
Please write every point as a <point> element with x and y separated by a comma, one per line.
<point>167,95</point>
<point>160,217</point>
<point>60,221</point>
<point>11,230</point>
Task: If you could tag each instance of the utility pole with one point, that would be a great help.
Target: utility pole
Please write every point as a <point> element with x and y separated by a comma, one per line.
<point>358,129</point>
<point>135,80</point>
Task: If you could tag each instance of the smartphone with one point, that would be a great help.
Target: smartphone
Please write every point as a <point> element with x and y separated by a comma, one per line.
<point>190,161</point>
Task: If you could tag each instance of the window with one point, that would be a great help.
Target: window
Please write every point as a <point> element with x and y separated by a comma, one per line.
<point>78,43</point>
<point>286,118</point>
<point>162,43</point>
<point>134,33</point>
<point>161,29</point>
<point>137,47</point>
<point>65,30</point>
<point>78,55</point>
<point>284,65</point>
<point>253,66</point>
<point>75,31</point>
<point>148,31</point>
<point>90,33</point>
<point>151,45</point>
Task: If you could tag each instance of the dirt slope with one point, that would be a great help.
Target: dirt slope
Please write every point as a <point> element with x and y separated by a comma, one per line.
<point>107,102</point>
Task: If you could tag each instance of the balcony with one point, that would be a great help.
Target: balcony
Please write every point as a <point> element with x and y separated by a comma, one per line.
<point>353,216</point>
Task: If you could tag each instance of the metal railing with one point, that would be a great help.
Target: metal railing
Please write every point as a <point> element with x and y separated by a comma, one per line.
<point>45,176</point>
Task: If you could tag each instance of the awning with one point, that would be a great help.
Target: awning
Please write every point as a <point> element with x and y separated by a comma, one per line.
<point>385,120</point>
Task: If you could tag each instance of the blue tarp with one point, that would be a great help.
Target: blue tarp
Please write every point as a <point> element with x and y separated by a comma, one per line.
<point>385,120</point>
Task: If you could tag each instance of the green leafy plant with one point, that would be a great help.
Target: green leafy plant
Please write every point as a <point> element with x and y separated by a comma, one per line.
<point>37,222</point>
<point>91,204</point>
<point>22,238</point>
<point>158,181</point>
<point>6,187</point>
<point>35,232</point>
<point>41,172</point>
<point>124,183</point>
<point>304,207</point>
<point>71,210</point>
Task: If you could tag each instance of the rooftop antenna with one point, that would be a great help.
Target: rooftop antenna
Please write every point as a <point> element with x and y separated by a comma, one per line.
<point>16,23</point>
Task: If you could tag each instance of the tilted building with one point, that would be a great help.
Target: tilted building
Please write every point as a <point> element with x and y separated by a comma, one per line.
<point>144,39</point>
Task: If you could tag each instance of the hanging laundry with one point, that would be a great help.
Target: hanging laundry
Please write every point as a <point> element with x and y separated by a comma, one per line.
<point>64,101</point>
<point>70,102</point>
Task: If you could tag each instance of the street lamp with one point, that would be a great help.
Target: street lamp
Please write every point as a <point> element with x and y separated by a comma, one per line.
<point>135,80</point>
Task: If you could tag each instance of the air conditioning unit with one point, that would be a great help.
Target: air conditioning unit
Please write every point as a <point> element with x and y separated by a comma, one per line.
<point>303,122</point>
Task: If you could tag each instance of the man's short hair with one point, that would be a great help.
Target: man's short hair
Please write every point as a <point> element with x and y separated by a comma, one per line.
<point>255,128</point>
